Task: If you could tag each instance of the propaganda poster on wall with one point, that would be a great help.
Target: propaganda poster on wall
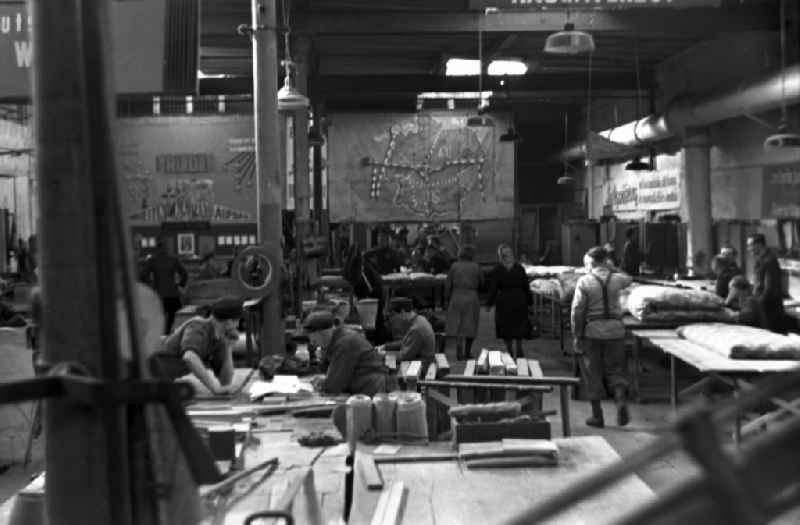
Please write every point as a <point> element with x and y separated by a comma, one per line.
<point>418,167</point>
<point>184,169</point>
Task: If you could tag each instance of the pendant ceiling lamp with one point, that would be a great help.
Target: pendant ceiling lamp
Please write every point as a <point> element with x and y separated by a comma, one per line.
<point>510,136</point>
<point>785,138</point>
<point>480,120</point>
<point>569,41</point>
<point>565,179</point>
<point>289,97</point>
<point>637,164</point>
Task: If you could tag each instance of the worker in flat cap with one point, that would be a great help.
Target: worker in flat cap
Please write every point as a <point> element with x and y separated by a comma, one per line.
<point>350,363</point>
<point>202,347</point>
<point>419,341</point>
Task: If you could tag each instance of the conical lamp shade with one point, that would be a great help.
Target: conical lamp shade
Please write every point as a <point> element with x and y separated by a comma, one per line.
<point>569,42</point>
<point>565,180</point>
<point>783,139</point>
<point>638,165</point>
<point>510,136</point>
<point>290,99</point>
<point>480,121</point>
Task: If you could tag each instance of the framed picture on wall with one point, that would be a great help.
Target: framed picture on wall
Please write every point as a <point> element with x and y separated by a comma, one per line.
<point>186,244</point>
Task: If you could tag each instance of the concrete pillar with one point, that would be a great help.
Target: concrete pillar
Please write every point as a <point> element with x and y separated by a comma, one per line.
<point>696,194</point>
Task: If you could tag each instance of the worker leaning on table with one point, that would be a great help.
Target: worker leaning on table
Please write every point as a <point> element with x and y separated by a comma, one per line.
<point>350,362</point>
<point>599,335</point>
<point>203,347</point>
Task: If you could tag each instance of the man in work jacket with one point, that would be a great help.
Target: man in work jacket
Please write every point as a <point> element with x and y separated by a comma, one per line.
<point>599,334</point>
<point>419,341</point>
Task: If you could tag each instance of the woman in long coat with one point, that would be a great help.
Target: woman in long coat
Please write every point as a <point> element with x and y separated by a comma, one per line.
<point>510,294</point>
<point>464,307</point>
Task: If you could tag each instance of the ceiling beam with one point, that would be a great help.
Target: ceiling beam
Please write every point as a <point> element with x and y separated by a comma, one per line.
<point>644,22</point>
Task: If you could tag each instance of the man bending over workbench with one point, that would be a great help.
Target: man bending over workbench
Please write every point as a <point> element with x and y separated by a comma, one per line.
<point>350,362</point>
<point>419,341</point>
<point>202,346</point>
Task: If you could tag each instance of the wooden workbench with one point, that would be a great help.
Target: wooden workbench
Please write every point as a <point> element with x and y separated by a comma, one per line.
<point>704,360</point>
<point>447,492</point>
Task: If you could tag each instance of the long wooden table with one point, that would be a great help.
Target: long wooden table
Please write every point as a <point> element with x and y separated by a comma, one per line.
<point>445,491</point>
<point>704,360</point>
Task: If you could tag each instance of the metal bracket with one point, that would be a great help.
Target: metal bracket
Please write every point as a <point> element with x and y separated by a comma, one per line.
<point>90,391</point>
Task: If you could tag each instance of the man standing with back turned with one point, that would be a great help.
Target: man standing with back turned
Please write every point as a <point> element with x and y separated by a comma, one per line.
<point>599,335</point>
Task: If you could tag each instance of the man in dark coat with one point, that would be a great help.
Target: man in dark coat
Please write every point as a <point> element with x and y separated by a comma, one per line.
<point>631,255</point>
<point>767,287</point>
<point>350,363</point>
<point>165,274</point>
<point>419,341</point>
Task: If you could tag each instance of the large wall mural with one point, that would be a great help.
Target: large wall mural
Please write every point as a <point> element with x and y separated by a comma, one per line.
<point>184,169</point>
<point>430,166</point>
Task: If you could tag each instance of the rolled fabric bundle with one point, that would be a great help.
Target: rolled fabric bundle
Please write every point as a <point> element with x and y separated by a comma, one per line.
<point>411,421</point>
<point>359,414</point>
<point>383,415</point>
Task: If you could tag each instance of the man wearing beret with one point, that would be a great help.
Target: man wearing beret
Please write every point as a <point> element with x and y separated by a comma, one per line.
<point>419,341</point>
<point>350,363</point>
<point>203,347</point>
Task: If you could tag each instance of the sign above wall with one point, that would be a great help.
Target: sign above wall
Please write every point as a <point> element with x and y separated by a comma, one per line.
<point>628,191</point>
<point>659,190</point>
<point>782,190</point>
<point>589,4</point>
<point>137,42</point>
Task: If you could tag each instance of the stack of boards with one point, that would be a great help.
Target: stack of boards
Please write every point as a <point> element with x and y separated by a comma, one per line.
<point>509,453</point>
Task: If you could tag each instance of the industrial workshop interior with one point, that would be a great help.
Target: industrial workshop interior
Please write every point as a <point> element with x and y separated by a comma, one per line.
<point>399,262</point>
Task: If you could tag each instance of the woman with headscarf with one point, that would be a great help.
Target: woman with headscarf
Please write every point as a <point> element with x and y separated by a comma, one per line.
<point>510,294</point>
<point>464,307</point>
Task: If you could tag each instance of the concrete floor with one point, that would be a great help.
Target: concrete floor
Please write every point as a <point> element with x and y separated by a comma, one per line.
<point>648,421</point>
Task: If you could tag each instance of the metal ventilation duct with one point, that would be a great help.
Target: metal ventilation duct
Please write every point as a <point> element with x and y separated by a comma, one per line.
<point>758,97</point>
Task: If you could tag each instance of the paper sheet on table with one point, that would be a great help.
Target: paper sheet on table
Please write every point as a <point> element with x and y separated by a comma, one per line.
<point>280,384</point>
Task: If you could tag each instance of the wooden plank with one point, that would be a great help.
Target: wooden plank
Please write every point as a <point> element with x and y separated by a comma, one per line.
<point>431,373</point>
<point>469,368</point>
<point>391,360</point>
<point>496,367</point>
<point>442,365</point>
<point>535,369</point>
<point>388,510</point>
<point>509,364</point>
<point>369,471</point>
<point>546,380</point>
<point>522,367</point>
<point>414,369</point>
<point>482,364</point>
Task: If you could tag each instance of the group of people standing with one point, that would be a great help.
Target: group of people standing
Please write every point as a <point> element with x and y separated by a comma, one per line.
<point>759,304</point>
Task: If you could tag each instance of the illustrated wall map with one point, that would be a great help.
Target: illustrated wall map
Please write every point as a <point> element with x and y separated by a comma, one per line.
<point>418,167</point>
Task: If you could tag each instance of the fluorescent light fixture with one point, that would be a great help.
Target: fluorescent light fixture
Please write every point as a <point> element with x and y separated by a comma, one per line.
<point>462,67</point>
<point>460,95</point>
<point>201,74</point>
<point>507,67</point>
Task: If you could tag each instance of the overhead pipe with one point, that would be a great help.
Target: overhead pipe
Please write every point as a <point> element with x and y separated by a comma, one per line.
<point>758,97</point>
